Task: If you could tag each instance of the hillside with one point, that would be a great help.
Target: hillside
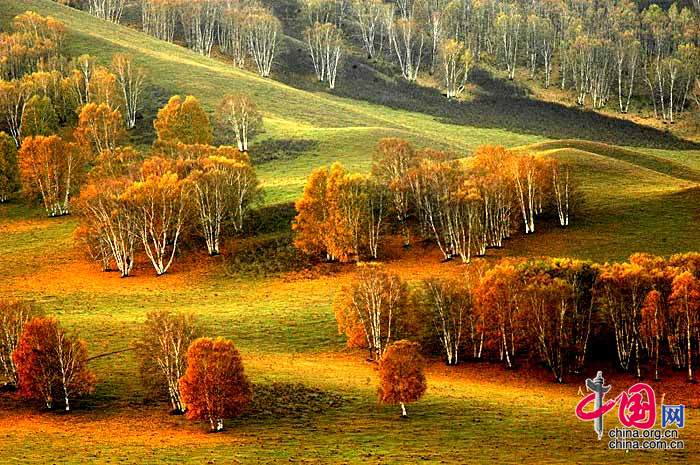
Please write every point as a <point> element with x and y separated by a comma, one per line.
<point>307,127</point>
<point>315,400</point>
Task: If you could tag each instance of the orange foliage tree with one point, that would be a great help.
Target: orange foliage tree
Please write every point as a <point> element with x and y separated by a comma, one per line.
<point>224,186</point>
<point>99,128</point>
<point>13,315</point>
<point>448,305</point>
<point>159,205</point>
<point>39,117</point>
<point>497,297</point>
<point>340,215</point>
<point>685,302</point>
<point>183,121</point>
<point>369,311</point>
<point>214,386</point>
<point>51,364</point>
<point>51,168</point>
<point>621,290</point>
<point>8,167</point>
<point>401,375</point>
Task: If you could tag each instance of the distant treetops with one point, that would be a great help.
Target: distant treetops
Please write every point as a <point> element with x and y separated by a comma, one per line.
<point>464,207</point>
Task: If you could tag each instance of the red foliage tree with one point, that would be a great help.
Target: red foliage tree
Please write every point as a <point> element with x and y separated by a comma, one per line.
<point>401,375</point>
<point>214,386</point>
<point>50,364</point>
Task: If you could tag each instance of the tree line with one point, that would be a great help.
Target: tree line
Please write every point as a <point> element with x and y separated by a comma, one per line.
<point>202,377</point>
<point>605,53</point>
<point>643,314</point>
<point>464,207</point>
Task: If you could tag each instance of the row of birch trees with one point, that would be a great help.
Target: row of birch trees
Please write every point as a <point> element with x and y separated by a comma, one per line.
<point>556,312</point>
<point>463,206</point>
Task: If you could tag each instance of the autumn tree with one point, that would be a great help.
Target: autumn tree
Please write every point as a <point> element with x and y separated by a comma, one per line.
<point>214,386</point>
<point>50,364</point>
<point>8,167</point>
<point>199,19</point>
<point>407,39</point>
<point>262,36</point>
<point>239,114</point>
<point>340,215</point>
<point>621,291</point>
<point>109,10</point>
<point>392,161</point>
<point>449,306</point>
<point>14,96</point>
<point>685,302</point>
<point>224,186</point>
<point>162,351</point>
<point>497,299</point>
<point>562,190</point>
<point>456,62</point>
<point>99,128</point>
<point>91,83</point>
<point>39,117</point>
<point>183,121</point>
<point>13,316</point>
<point>401,375</point>
<point>369,311</point>
<point>325,43</point>
<point>652,326</point>
<point>51,168</point>
<point>110,227</point>
<point>130,80</point>
<point>159,18</point>
<point>231,33</point>
<point>158,204</point>
<point>369,16</point>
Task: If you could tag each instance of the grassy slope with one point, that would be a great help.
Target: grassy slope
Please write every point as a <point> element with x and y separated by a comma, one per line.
<point>285,328</point>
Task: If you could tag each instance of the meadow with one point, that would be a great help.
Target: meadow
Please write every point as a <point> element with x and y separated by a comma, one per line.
<point>316,400</point>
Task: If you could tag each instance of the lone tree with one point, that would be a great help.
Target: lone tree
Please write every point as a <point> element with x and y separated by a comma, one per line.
<point>214,386</point>
<point>50,364</point>
<point>162,351</point>
<point>8,167</point>
<point>13,316</point>
<point>183,121</point>
<point>401,376</point>
<point>239,114</point>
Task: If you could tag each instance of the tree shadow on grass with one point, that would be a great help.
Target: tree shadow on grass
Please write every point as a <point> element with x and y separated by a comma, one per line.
<point>494,104</point>
<point>290,401</point>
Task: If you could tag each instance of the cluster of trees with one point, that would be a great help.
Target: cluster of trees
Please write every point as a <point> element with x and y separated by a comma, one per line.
<point>51,95</point>
<point>556,311</point>
<point>130,204</point>
<point>463,206</point>
<point>39,358</point>
<point>32,43</point>
<point>605,52</point>
<point>243,29</point>
<point>204,377</point>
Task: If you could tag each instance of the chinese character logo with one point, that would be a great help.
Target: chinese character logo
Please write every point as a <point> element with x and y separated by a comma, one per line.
<point>636,406</point>
<point>672,414</point>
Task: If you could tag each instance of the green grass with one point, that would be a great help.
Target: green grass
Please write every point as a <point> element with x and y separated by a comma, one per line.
<point>640,197</point>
